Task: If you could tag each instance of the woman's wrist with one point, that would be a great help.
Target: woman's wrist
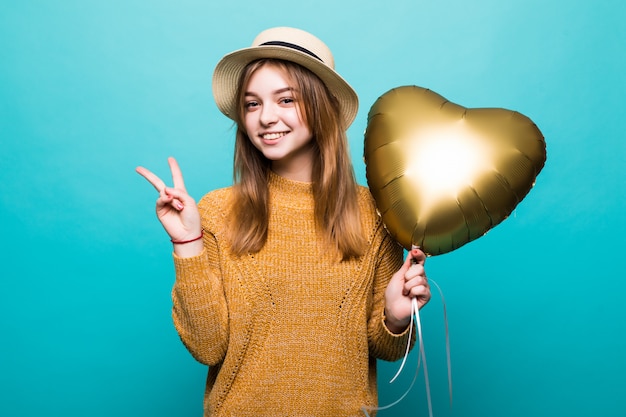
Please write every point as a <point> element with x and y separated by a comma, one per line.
<point>394,325</point>
<point>187,248</point>
<point>183,242</point>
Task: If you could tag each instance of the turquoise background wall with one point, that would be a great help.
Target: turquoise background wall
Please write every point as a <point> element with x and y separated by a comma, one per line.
<point>90,89</point>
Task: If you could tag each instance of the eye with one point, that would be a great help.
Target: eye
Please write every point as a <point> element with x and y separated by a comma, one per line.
<point>251,105</point>
<point>287,101</point>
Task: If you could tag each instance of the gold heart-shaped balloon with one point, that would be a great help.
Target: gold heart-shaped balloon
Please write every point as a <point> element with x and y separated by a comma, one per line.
<point>442,175</point>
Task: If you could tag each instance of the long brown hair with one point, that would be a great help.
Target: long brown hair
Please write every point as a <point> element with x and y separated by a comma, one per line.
<point>334,185</point>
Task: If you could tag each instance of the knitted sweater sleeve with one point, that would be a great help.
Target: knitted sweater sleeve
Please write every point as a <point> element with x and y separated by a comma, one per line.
<point>384,344</point>
<point>386,258</point>
<point>199,310</point>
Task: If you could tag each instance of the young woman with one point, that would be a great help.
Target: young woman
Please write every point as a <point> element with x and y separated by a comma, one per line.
<point>287,283</point>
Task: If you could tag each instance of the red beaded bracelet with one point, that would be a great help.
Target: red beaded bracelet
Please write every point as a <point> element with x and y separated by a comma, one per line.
<point>182,242</point>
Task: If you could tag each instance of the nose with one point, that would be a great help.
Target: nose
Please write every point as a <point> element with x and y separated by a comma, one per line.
<point>269,115</point>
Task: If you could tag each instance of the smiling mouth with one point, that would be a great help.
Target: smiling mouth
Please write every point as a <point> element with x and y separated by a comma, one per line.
<point>273,136</point>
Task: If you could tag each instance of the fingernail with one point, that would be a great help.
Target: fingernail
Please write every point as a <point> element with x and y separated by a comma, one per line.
<point>179,206</point>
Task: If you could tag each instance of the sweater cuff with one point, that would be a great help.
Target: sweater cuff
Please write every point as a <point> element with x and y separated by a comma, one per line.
<point>390,346</point>
<point>190,270</point>
<point>389,332</point>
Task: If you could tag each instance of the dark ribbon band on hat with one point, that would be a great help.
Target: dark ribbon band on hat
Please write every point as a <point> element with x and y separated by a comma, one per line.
<point>292,46</point>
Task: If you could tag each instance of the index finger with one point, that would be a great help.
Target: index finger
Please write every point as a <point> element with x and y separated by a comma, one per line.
<point>156,182</point>
<point>417,255</point>
<point>177,175</point>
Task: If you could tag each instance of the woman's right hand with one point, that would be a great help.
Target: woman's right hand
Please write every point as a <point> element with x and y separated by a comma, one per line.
<point>176,210</point>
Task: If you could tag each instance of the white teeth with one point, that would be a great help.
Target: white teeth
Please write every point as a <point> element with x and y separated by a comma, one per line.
<point>272,136</point>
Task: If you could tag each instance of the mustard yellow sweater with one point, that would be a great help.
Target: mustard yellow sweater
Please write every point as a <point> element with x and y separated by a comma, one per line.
<point>288,331</point>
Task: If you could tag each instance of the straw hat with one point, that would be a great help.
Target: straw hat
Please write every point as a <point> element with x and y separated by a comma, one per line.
<point>288,44</point>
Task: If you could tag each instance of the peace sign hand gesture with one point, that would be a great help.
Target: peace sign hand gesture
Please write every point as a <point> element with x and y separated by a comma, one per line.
<point>176,210</point>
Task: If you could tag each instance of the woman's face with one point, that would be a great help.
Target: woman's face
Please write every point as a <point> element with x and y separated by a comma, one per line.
<point>274,124</point>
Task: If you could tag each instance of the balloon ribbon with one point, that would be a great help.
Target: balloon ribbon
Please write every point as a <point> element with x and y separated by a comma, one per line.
<point>415,316</point>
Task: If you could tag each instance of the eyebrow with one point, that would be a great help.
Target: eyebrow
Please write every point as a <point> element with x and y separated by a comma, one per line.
<point>279,91</point>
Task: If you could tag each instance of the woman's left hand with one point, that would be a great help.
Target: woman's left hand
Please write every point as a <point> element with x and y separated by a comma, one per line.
<point>408,283</point>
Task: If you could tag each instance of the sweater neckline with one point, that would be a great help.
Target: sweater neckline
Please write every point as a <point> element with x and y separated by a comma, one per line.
<point>290,193</point>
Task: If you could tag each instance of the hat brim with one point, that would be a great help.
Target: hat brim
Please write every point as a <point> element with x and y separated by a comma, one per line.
<point>228,73</point>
